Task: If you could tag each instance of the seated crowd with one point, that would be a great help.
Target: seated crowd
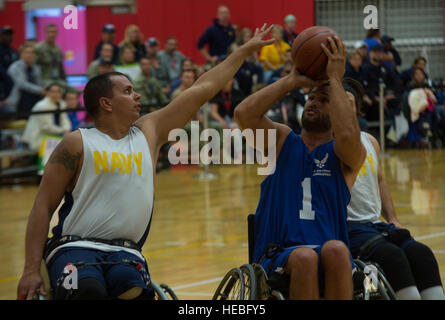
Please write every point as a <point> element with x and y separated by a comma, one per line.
<point>413,105</point>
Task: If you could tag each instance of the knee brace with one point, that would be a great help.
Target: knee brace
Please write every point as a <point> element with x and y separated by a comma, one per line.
<point>88,289</point>
<point>395,265</point>
<point>424,265</point>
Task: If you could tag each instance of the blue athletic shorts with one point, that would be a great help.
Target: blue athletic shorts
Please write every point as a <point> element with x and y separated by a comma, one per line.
<point>360,232</point>
<point>280,259</point>
<point>117,279</point>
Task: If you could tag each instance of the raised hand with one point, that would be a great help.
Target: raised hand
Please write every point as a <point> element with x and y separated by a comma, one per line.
<point>257,42</point>
<point>336,58</point>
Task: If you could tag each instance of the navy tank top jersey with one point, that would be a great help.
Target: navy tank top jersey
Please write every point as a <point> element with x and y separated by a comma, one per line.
<point>304,202</point>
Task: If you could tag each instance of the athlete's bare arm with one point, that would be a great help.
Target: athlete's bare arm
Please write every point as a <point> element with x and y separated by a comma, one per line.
<point>59,176</point>
<point>347,144</point>
<point>157,125</point>
<point>250,113</point>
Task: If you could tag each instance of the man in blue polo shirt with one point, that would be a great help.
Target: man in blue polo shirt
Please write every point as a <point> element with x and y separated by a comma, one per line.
<point>218,36</point>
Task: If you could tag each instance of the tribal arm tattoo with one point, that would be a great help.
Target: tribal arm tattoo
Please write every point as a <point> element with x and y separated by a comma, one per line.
<point>62,156</point>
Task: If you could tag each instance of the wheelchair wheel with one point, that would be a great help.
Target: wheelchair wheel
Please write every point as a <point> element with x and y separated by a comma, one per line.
<point>159,292</point>
<point>169,291</point>
<point>250,282</point>
<point>387,287</point>
<point>231,287</point>
<point>263,290</point>
<point>381,290</point>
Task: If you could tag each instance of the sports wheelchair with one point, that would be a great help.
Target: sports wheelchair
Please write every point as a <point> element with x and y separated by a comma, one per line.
<point>162,291</point>
<point>251,282</point>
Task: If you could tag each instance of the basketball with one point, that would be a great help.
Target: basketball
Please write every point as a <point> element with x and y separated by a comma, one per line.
<point>307,54</point>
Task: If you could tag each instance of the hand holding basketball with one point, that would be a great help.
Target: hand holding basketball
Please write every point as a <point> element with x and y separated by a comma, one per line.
<point>257,42</point>
<point>337,53</point>
<point>300,80</point>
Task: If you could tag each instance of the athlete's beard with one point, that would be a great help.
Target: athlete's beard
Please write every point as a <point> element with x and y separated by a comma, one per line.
<point>318,124</point>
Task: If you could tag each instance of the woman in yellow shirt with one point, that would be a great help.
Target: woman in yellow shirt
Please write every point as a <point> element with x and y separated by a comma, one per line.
<point>272,56</point>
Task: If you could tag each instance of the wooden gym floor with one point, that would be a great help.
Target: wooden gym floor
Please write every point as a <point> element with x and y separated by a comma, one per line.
<point>199,228</point>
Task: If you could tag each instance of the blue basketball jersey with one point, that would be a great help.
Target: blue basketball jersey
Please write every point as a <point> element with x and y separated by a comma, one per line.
<point>304,202</point>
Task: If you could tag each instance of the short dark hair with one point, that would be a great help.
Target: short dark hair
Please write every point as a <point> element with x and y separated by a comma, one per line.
<point>50,25</point>
<point>71,91</point>
<point>98,87</point>
<point>188,70</point>
<point>171,38</point>
<point>372,33</point>
<point>416,61</point>
<point>54,84</point>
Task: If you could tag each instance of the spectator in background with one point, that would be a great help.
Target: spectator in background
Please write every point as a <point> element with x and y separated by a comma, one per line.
<point>152,97</point>
<point>28,88</point>
<point>285,110</point>
<point>47,123</point>
<point>418,79</point>
<point>223,105</point>
<point>407,75</point>
<point>375,72</point>
<point>135,41</point>
<point>393,57</point>
<point>30,42</point>
<point>128,64</point>
<point>251,66</point>
<point>188,77</point>
<point>49,57</point>
<point>372,35</point>
<point>277,74</point>
<point>152,47</point>
<point>170,58</point>
<point>362,48</point>
<point>106,54</point>
<point>218,36</point>
<point>108,34</point>
<point>6,85</point>
<point>105,66</point>
<point>7,54</point>
<point>159,70</point>
<point>421,100</point>
<point>71,98</point>
<point>386,56</point>
<point>273,56</point>
<point>187,64</point>
<point>289,34</point>
<point>353,68</point>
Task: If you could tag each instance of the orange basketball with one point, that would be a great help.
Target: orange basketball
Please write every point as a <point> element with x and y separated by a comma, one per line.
<point>307,54</point>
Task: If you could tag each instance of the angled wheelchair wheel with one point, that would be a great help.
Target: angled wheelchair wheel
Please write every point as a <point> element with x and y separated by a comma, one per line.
<point>263,289</point>
<point>169,291</point>
<point>159,292</point>
<point>250,282</point>
<point>231,286</point>
<point>374,290</point>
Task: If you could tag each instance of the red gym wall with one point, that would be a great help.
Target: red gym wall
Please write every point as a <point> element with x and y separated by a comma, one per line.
<point>185,19</point>
<point>14,16</point>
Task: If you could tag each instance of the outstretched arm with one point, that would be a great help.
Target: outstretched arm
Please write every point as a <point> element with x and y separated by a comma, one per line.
<point>157,125</point>
<point>348,146</point>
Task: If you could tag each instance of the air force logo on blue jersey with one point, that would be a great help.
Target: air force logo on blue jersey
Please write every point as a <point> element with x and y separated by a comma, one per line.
<point>320,164</point>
